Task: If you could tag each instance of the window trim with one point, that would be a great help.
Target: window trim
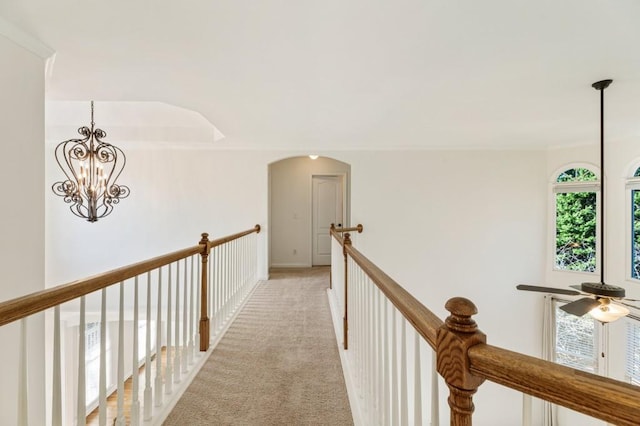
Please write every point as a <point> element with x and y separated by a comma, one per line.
<point>566,187</point>
<point>632,183</point>
<point>630,319</point>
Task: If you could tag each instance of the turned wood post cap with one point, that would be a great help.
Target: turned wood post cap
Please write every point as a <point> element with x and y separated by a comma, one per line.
<point>461,311</point>
<point>205,238</point>
<point>347,238</point>
<point>460,306</point>
<point>333,226</point>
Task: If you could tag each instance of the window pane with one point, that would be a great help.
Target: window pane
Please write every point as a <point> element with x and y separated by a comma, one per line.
<point>575,341</point>
<point>635,248</point>
<point>633,352</point>
<point>576,231</point>
<point>637,173</point>
<point>92,360</point>
<point>576,175</point>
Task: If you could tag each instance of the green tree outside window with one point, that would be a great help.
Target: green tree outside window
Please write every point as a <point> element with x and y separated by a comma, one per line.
<point>576,224</point>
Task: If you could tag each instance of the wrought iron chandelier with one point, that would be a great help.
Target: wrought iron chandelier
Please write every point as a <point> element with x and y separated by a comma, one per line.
<point>91,167</point>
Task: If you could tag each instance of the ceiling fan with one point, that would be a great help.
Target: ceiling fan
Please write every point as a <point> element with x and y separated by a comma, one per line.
<point>604,302</point>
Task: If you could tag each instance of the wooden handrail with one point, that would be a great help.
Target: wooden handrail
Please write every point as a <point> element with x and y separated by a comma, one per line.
<point>594,395</point>
<point>423,320</point>
<point>224,240</point>
<point>336,231</point>
<point>335,234</point>
<point>22,307</point>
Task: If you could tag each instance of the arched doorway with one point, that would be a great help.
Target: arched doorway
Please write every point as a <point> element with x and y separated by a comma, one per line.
<point>299,190</point>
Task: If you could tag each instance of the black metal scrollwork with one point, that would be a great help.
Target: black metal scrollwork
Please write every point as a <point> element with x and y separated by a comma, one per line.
<point>91,167</point>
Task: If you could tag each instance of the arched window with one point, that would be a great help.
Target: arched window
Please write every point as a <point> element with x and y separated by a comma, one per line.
<point>576,220</point>
<point>633,185</point>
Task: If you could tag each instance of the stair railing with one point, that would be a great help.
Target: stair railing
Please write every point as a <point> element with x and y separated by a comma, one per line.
<point>177,301</point>
<point>378,352</point>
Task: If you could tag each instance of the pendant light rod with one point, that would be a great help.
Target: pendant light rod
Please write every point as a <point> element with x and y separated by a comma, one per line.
<point>601,85</point>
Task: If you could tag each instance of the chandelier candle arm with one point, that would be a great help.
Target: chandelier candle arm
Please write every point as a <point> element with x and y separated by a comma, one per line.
<point>92,168</point>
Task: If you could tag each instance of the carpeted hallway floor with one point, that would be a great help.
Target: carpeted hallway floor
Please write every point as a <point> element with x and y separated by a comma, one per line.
<point>277,365</point>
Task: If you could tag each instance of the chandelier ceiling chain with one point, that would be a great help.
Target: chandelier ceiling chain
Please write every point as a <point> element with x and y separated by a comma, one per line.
<point>92,168</point>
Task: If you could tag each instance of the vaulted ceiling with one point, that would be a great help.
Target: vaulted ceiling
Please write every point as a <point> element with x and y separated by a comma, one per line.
<point>336,74</point>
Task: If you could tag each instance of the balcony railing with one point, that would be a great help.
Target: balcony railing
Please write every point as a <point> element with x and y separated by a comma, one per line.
<point>181,302</point>
<point>385,330</point>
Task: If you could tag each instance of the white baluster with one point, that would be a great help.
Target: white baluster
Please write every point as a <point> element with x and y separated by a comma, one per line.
<point>196,309</point>
<point>221,284</point>
<point>56,392</point>
<point>192,312</point>
<point>526,410</point>
<point>380,362</point>
<point>23,386</point>
<point>81,413</point>
<point>229,249</point>
<point>235,274</point>
<point>135,400</point>
<point>158,380</point>
<point>385,373</point>
<point>185,321</point>
<point>361,330</point>
<point>394,369</point>
<point>168,382</point>
<point>404,390</point>
<point>102,392</point>
<point>176,358</point>
<point>417,404</point>
<point>227,277</point>
<point>245,265</point>
<point>221,271</point>
<point>214,291</point>
<point>120,417</point>
<point>148,391</point>
<point>435,394</point>
<point>210,285</point>
<point>218,317</point>
<point>372,349</point>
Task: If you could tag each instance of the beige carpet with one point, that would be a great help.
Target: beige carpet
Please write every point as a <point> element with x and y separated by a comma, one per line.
<point>277,365</point>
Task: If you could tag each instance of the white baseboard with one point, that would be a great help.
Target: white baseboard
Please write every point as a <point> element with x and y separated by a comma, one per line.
<point>354,399</point>
<point>291,265</point>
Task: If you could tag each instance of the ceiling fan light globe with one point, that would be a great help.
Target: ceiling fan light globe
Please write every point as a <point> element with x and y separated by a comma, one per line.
<point>609,312</point>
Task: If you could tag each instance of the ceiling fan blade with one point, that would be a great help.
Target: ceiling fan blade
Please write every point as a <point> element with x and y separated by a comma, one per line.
<point>577,287</point>
<point>526,287</point>
<point>629,304</point>
<point>631,300</point>
<point>580,306</point>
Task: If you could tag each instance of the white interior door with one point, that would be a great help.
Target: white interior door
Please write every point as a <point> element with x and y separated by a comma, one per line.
<point>327,209</point>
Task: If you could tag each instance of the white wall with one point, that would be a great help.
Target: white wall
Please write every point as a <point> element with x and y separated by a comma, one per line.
<point>290,207</point>
<point>175,196</point>
<point>460,223</point>
<point>442,223</point>
<point>21,218</point>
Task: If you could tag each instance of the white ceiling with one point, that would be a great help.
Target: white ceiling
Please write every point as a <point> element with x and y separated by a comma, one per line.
<point>336,74</point>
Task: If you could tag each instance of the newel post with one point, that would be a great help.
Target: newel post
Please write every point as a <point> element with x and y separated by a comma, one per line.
<point>345,323</point>
<point>458,334</point>
<point>204,319</point>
